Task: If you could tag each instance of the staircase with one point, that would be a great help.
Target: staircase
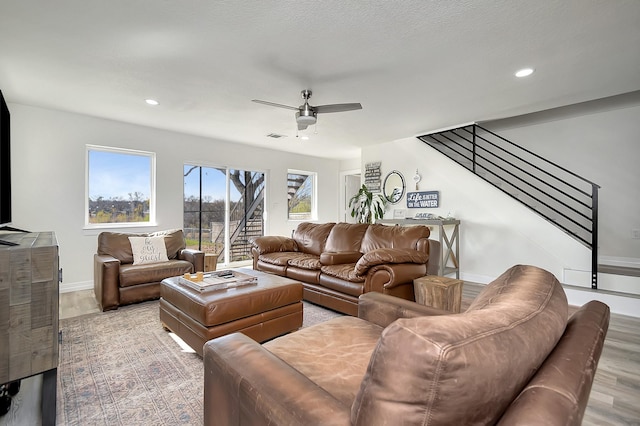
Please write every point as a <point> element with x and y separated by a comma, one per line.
<point>245,222</point>
<point>568,201</point>
<point>240,244</point>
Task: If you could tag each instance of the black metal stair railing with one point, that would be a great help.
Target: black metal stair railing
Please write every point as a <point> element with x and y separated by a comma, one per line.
<point>562,197</point>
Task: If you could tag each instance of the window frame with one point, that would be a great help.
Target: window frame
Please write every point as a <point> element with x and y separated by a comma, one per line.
<point>152,188</point>
<point>314,195</point>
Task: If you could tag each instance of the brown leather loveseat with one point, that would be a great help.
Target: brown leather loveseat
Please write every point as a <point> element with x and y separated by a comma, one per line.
<point>512,358</point>
<point>337,262</point>
<point>118,281</point>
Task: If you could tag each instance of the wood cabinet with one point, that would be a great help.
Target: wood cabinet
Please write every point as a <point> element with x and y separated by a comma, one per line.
<point>29,311</point>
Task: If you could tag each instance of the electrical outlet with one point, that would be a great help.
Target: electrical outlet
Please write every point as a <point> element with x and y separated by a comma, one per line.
<point>635,234</point>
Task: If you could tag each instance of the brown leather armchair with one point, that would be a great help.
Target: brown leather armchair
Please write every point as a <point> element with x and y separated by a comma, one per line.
<point>117,281</point>
<point>511,358</point>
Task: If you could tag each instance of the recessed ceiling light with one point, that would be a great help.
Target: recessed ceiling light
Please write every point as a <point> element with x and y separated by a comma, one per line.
<point>524,72</point>
<point>152,102</point>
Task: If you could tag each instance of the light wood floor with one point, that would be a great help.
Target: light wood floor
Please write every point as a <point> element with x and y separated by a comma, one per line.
<point>615,396</point>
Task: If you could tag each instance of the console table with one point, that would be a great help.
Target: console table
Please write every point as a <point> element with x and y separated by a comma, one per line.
<point>449,243</point>
<point>29,313</point>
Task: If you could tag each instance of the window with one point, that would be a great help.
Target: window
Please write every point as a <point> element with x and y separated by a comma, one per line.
<point>301,193</point>
<point>223,210</point>
<point>120,187</point>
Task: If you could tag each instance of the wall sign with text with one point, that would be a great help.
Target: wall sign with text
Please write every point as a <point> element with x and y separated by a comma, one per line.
<point>372,176</point>
<point>423,199</point>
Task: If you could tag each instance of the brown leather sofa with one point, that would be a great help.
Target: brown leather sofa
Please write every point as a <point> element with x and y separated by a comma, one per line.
<point>337,263</point>
<point>511,358</point>
<point>117,281</point>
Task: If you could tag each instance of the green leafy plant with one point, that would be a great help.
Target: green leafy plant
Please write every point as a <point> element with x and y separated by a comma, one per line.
<point>366,206</point>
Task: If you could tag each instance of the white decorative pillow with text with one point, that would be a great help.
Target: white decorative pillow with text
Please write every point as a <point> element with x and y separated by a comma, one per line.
<point>148,250</point>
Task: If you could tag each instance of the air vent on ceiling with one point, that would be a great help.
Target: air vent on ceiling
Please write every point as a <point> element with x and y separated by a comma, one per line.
<point>276,136</point>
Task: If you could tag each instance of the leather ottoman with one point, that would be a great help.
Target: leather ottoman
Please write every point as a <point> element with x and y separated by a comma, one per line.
<point>263,311</point>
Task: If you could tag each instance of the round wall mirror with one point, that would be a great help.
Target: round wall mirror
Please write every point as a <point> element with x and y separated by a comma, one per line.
<point>394,187</point>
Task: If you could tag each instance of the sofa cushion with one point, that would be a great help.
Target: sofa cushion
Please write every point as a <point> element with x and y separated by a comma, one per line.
<point>280,258</point>
<point>173,240</point>
<point>271,243</point>
<point>131,275</point>
<point>148,250</point>
<point>346,237</point>
<point>117,245</point>
<point>345,271</point>
<point>311,237</point>
<point>306,261</point>
<point>331,258</point>
<point>466,368</point>
<point>384,236</point>
<point>333,354</point>
<point>389,255</point>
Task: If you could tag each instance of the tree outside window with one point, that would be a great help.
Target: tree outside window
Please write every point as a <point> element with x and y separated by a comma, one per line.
<point>301,189</point>
<point>120,187</point>
<point>223,210</point>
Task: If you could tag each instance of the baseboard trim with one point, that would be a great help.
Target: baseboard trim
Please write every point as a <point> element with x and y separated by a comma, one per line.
<point>77,286</point>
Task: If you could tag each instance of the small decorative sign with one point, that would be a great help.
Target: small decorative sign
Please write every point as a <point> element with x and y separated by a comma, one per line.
<point>372,176</point>
<point>423,199</point>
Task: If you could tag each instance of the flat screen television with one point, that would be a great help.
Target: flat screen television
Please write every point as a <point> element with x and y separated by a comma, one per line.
<point>5,163</point>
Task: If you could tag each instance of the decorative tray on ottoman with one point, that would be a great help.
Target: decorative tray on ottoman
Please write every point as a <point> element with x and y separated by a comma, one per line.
<point>218,280</point>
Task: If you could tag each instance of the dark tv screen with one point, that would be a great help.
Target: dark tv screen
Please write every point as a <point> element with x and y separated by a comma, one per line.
<point>5,163</point>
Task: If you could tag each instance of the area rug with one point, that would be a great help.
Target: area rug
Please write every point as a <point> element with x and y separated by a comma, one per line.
<point>122,368</point>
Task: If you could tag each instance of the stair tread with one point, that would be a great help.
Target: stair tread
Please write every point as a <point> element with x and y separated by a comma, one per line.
<point>619,270</point>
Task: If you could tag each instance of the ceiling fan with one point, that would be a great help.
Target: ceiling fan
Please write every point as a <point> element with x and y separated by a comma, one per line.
<point>306,114</point>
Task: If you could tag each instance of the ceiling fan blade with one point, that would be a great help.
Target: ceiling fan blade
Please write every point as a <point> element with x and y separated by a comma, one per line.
<point>275,105</point>
<point>337,107</point>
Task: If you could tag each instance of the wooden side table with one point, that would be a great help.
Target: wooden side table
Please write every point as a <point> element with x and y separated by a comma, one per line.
<point>439,292</point>
<point>210,262</point>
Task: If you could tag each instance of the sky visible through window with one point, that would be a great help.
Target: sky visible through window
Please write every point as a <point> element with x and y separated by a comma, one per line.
<point>115,175</point>
<point>213,183</point>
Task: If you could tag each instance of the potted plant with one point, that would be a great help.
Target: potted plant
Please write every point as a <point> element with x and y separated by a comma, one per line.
<point>366,206</point>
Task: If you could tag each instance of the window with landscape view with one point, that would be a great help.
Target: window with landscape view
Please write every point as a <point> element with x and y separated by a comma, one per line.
<point>301,195</point>
<point>120,186</point>
<point>223,209</point>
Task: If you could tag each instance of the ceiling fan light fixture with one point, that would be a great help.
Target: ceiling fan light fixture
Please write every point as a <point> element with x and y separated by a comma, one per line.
<point>306,119</point>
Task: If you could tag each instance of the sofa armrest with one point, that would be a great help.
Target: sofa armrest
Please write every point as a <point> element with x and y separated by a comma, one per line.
<point>559,392</point>
<point>383,256</point>
<point>106,272</point>
<point>273,243</point>
<point>333,258</point>
<point>237,390</point>
<point>435,254</point>
<point>394,279</point>
<point>195,257</point>
<point>382,309</point>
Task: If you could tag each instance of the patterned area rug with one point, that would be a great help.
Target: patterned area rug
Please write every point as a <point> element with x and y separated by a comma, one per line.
<point>122,368</point>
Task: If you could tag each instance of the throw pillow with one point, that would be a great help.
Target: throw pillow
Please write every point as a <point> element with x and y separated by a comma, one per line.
<point>148,250</point>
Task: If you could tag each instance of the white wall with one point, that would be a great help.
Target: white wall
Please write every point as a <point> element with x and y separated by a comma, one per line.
<point>48,177</point>
<point>598,140</point>
<point>495,232</point>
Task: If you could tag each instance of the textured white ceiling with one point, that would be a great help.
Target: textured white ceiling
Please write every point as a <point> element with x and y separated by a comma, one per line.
<point>415,65</point>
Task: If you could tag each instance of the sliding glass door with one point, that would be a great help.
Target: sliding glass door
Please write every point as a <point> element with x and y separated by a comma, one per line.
<point>223,210</point>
